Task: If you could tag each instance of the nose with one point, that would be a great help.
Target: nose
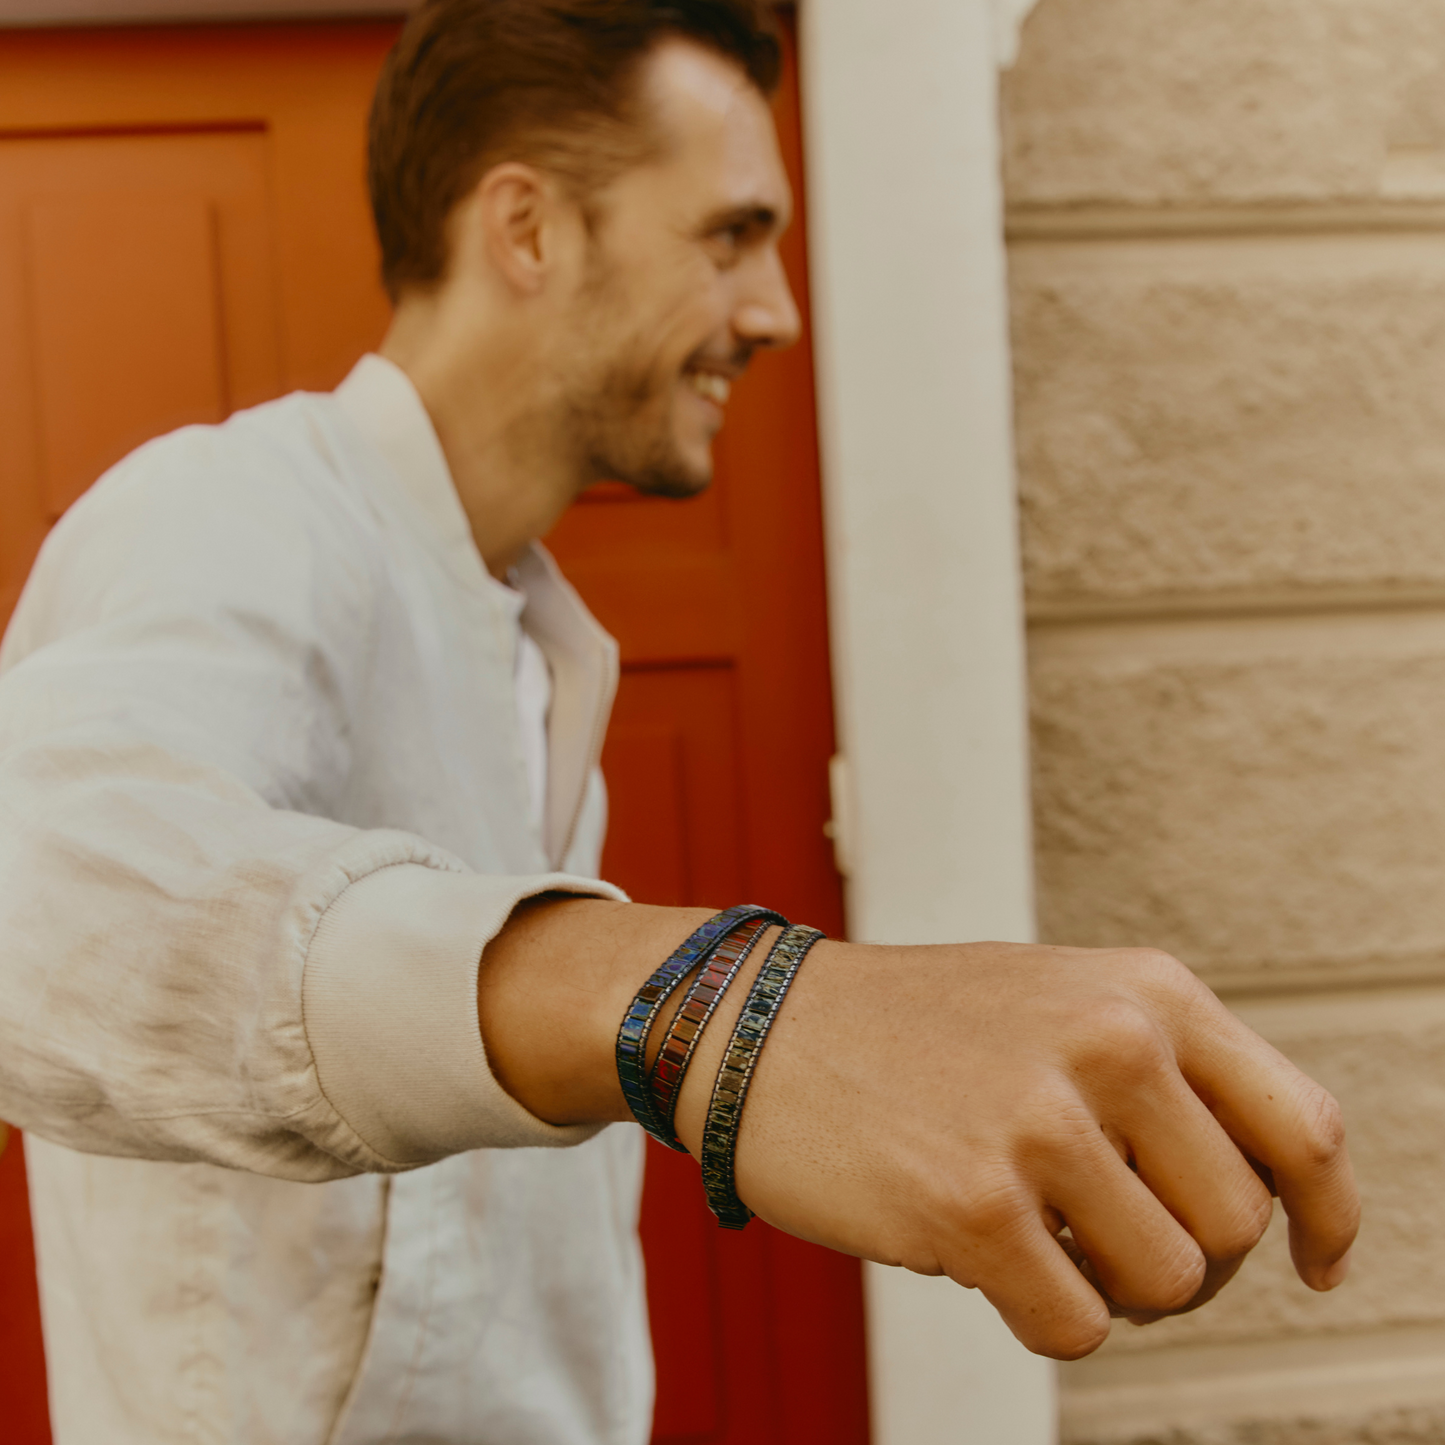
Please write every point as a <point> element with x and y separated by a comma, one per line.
<point>766,314</point>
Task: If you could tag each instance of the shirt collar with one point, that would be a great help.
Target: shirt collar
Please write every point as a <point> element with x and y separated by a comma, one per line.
<point>380,401</point>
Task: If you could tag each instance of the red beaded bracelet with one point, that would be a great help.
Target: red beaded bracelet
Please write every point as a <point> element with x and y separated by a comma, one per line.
<point>642,1013</point>
<point>688,1023</point>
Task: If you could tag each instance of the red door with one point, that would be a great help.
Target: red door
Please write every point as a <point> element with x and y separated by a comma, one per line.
<point>183,232</point>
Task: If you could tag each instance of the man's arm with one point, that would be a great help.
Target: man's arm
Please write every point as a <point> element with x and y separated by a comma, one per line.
<point>952,1109</point>
<point>195,962</point>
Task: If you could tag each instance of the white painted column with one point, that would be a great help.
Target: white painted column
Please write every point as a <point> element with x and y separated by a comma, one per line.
<point>910,312</point>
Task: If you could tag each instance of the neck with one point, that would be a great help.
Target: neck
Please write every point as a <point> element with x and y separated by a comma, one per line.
<point>489,402</point>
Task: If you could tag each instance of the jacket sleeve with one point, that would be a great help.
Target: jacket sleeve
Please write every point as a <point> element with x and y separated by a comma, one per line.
<point>195,965</point>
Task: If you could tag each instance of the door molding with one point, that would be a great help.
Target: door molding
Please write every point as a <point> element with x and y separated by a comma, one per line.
<point>30,13</point>
<point>910,307</point>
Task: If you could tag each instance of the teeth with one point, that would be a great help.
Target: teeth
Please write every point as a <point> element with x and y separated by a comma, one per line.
<point>709,384</point>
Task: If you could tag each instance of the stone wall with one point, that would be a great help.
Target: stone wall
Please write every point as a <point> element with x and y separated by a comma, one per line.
<point>1227,224</point>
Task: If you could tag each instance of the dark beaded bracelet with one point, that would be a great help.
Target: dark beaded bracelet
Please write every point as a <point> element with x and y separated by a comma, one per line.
<point>724,1115</point>
<point>642,1013</point>
<point>698,1005</point>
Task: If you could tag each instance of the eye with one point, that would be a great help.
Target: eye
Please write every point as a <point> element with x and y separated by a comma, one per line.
<point>728,242</point>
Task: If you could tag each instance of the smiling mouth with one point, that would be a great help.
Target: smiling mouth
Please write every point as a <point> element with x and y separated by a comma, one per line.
<point>710,385</point>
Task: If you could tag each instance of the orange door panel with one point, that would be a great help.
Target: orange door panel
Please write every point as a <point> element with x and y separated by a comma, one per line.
<point>138,295</point>
<point>183,232</point>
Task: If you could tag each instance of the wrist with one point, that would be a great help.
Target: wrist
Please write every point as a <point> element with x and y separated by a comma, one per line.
<point>552,990</point>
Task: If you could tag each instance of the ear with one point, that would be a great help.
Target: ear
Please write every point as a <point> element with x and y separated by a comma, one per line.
<point>520,218</point>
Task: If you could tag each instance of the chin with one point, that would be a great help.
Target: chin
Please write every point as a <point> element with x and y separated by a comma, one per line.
<point>695,471</point>
<point>674,482</point>
<point>677,471</point>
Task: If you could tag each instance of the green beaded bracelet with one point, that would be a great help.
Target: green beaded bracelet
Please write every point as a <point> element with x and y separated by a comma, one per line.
<point>725,1112</point>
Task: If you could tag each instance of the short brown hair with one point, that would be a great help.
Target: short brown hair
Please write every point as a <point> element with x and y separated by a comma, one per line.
<point>471,83</point>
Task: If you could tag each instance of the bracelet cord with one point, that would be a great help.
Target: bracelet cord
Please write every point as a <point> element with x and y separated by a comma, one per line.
<point>641,1015</point>
<point>699,1004</point>
<point>724,1115</point>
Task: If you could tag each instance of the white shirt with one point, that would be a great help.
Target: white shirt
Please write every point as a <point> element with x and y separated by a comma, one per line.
<point>265,797</point>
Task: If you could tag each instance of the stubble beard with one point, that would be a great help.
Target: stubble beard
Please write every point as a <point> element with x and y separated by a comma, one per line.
<point>619,420</point>
<point>622,429</point>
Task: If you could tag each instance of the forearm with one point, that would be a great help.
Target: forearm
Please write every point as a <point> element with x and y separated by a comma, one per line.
<point>953,1108</point>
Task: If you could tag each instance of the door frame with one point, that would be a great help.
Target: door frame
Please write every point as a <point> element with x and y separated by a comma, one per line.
<point>912,358</point>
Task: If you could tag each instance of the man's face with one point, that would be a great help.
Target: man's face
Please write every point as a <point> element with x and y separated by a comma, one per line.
<point>685,281</point>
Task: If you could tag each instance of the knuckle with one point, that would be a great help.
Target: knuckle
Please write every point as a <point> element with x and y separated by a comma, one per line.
<point>1255,1221</point>
<point>1178,1279</point>
<point>1154,963</point>
<point>1119,1021</point>
<point>1074,1338</point>
<point>991,1211</point>
<point>1245,1229</point>
<point>1161,1282</point>
<point>1059,1135</point>
<point>1122,1039</point>
<point>1172,985</point>
<point>1322,1132</point>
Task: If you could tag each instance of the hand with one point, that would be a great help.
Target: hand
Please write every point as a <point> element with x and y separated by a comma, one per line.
<point>955,1109</point>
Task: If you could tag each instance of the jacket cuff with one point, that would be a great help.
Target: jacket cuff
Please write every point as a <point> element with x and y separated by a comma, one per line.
<point>389,996</point>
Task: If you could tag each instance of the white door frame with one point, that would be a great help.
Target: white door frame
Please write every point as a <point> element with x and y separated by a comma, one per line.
<point>931,790</point>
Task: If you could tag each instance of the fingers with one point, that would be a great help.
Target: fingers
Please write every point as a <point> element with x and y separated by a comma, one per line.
<point>1141,1257</point>
<point>1125,1256</point>
<point>1293,1127</point>
<point>1197,1173</point>
<point>1301,1142</point>
<point>1013,1258</point>
<point>1168,1236</point>
<point>1126,1249</point>
<point>1216,1275</point>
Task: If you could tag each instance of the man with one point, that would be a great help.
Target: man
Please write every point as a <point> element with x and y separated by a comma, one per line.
<point>300,936</point>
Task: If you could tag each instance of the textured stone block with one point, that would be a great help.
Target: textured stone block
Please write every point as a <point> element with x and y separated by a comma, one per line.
<point>1368,1357</point>
<point>1422,1425</point>
<point>1207,419</point>
<point>1196,102</point>
<point>1264,799</point>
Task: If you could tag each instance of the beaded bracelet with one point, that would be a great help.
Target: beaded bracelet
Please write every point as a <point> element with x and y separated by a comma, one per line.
<point>642,1013</point>
<point>698,1005</point>
<point>725,1112</point>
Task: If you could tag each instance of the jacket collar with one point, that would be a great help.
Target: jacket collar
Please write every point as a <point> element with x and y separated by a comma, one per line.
<point>380,402</point>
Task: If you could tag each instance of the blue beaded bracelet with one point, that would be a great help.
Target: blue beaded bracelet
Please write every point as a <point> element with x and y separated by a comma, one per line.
<point>642,1013</point>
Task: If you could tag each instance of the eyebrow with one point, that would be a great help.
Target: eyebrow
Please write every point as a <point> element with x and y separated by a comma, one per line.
<point>756,215</point>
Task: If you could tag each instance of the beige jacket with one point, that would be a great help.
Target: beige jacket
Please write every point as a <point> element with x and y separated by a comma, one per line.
<point>262,803</point>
